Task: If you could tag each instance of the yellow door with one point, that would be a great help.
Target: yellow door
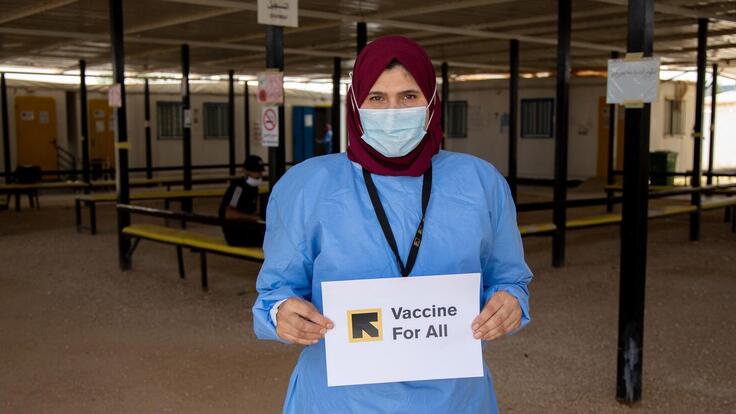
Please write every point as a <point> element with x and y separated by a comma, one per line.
<point>603,117</point>
<point>101,135</point>
<point>35,131</point>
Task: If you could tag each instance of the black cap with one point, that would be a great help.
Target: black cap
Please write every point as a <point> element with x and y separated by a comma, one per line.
<point>253,163</point>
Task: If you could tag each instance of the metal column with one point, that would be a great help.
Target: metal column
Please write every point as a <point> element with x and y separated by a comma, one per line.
<point>362,37</point>
<point>186,204</point>
<point>610,177</point>
<point>698,128</point>
<point>84,127</point>
<point>275,60</point>
<point>713,100</point>
<point>147,127</point>
<point>634,225</point>
<point>6,129</point>
<point>121,129</point>
<point>231,121</point>
<point>445,101</point>
<point>246,122</point>
<point>513,115</point>
<point>561,117</point>
<point>336,118</point>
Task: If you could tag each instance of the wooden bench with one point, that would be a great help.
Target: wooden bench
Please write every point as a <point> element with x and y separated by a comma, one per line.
<point>196,242</point>
<point>91,200</point>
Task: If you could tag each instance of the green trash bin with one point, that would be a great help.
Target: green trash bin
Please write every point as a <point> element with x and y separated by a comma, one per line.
<point>662,162</point>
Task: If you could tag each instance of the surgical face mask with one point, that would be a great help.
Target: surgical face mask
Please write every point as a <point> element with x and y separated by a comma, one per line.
<point>253,182</point>
<point>394,132</point>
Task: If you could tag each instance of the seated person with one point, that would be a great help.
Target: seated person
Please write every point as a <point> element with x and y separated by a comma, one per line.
<point>242,226</point>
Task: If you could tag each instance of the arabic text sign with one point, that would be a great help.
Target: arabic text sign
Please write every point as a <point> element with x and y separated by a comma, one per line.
<point>270,126</point>
<point>279,12</point>
<point>402,329</point>
<point>270,87</point>
<point>632,80</point>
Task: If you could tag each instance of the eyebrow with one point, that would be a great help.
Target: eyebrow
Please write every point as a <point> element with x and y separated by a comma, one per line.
<point>400,93</point>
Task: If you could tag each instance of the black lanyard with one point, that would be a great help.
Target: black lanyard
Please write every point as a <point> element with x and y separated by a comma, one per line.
<point>386,227</point>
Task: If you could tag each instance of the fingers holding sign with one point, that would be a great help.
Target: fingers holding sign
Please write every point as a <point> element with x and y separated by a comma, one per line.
<point>500,316</point>
<point>299,321</point>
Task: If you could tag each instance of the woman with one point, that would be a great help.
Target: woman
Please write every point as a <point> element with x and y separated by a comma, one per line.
<point>323,224</point>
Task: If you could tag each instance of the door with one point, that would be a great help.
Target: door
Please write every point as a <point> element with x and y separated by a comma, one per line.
<point>101,132</point>
<point>35,130</point>
<point>603,117</point>
<point>302,132</point>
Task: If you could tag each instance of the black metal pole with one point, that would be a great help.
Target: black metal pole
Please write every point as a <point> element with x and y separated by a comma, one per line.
<point>231,121</point>
<point>83,121</point>
<point>563,91</point>
<point>513,106</point>
<point>275,60</point>
<point>186,204</point>
<point>612,117</point>
<point>713,100</point>
<point>6,130</point>
<point>147,126</point>
<point>121,129</point>
<point>634,219</point>
<point>246,110</point>
<point>362,38</point>
<point>445,100</point>
<point>698,128</point>
<point>336,74</point>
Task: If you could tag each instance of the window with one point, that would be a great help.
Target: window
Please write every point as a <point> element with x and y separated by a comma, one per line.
<point>537,118</point>
<point>168,120</point>
<point>216,116</point>
<point>673,118</point>
<point>457,119</point>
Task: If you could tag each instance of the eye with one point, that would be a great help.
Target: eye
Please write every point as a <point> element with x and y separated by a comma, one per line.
<point>409,97</point>
<point>376,98</point>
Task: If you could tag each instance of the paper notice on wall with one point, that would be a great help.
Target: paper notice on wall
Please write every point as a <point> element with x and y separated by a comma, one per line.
<point>270,126</point>
<point>270,87</point>
<point>43,117</point>
<point>632,81</point>
<point>99,126</point>
<point>278,12</point>
<point>27,116</point>
<point>114,96</point>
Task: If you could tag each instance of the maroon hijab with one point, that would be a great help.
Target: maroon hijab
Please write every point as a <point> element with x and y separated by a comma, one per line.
<point>369,65</point>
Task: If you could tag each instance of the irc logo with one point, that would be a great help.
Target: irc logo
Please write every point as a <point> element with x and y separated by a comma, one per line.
<point>364,325</point>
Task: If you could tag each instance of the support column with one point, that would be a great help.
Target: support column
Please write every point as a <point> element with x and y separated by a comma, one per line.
<point>121,129</point>
<point>445,100</point>
<point>513,114</point>
<point>246,123</point>
<point>713,101</point>
<point>6,130</point>
<point>275,60</point>
<point>147,126</point>
<point>231,120</point>
<point>634,225</point>
<point>362,37</point>
<point>84,127</point>
<point>336,107</point>
<point>561,116</point>
<point>610,177</point>
<point>186,204</point>
<point>697,172</point>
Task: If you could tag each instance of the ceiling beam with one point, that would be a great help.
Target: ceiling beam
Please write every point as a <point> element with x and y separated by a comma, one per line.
<point>659,7</point>
<point>32,10</point>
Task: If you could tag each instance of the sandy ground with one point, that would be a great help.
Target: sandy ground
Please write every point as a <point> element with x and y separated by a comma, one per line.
<point>77,335</point>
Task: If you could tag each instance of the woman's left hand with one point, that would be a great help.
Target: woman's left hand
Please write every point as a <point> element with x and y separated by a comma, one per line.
<point>500,316</point>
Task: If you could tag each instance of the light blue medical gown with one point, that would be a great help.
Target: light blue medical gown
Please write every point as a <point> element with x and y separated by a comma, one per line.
<point>321,226</point>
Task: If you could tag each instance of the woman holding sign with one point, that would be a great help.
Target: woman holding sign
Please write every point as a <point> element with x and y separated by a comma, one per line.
<point>394,206</point>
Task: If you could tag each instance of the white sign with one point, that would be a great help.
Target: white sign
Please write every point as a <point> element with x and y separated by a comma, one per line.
<point>270,87</point>
<point>270,126</point>
<point>187,118</point>
<point>114,96</point>
<point>632,81</point>
<point>27,116</point>
<point>278,12</point>
<point>402,329</point>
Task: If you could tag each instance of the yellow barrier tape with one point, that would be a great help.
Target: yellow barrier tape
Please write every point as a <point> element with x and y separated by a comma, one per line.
<point>633,104</point>
<point>122,145</point>
<point>634,56</point>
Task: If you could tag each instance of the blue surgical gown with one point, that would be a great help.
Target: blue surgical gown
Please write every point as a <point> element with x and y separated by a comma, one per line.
<point>321,226</point>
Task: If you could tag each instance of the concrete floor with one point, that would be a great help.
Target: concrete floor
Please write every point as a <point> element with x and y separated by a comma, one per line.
<point>77,335</point>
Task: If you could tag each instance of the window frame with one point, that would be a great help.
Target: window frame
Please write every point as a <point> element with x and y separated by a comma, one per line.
<point>455,104</point>
<point>522,132</point>
<point>225,126</point>
<point>668,131</point>
<point>159,105</point>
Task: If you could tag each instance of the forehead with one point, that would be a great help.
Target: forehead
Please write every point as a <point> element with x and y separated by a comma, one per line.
<point>395,79</point>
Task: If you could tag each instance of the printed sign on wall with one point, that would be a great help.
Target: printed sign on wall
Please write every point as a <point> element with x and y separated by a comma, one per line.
<point>270,126</point>
<point>278,12</point>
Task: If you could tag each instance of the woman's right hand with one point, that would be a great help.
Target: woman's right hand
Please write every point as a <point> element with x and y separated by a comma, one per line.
<point>299,321</point>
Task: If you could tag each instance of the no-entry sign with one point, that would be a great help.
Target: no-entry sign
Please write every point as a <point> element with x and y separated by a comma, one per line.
<point>402,329</point>
<point>270,126</point>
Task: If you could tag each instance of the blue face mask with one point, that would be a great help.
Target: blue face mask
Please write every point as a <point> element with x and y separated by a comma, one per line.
<point>394,132</point>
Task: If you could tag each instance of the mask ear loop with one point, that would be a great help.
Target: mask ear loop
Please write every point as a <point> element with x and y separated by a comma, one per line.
<point>355,106</point>
<point>428,105</point>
